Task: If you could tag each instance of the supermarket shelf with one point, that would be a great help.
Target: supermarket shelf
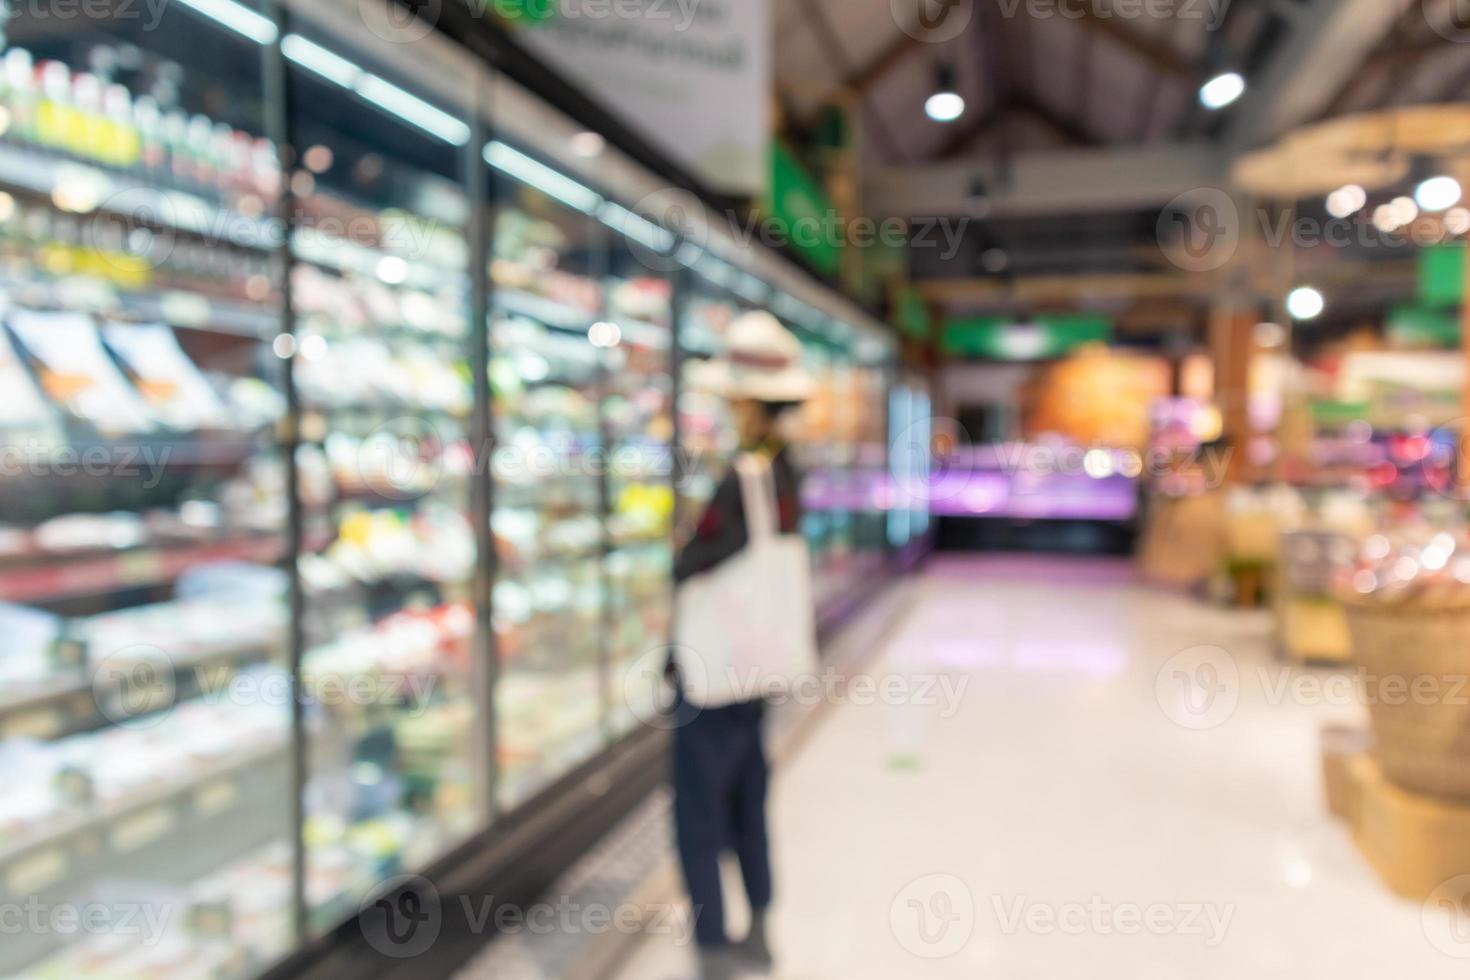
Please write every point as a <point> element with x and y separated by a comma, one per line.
<point>67,706</point>
<point>547,312</point>
<point>341,255</point>
<point>42,174</point>
<point>645,334</point>
<point>130,826</point>
<point>386,411</point>
<point>180,309</point>
<point>65,579</point>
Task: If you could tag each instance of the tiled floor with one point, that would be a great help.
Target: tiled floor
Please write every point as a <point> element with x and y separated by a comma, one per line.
<point>1107,801</point>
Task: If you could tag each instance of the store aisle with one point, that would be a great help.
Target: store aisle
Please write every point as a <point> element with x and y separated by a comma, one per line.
<point>1098,804</point>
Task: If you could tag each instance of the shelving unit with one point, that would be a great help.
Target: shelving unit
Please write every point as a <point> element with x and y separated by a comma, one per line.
<point>380,532</point>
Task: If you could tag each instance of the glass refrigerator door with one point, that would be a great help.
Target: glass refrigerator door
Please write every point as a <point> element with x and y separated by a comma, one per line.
<point>547,378</point>
<point>381,353</point>
<point>706,432</point>
<point>637,410</point>
<point>144,695</point>
<point>868,382</point>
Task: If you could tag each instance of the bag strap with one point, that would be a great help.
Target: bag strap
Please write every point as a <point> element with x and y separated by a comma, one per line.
<point>758,496</point>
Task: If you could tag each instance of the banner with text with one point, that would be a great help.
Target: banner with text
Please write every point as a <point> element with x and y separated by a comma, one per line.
<point>692,76</point>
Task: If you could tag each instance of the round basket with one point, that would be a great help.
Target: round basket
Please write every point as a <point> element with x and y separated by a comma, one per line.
<point>1415,661</point>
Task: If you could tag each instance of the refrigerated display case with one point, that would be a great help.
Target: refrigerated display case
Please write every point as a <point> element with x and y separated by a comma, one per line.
<point>393,771</point>
<point>144,686</point>
<point>547,378</point>
<point>842,450</point>
<point>638,424</point>
<point>346,430</point>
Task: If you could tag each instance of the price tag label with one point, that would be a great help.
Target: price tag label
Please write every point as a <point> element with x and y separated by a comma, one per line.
<point>42,723</point>
<point>142,828</point>
<point>36,872</point>
<point>140,567</point>
<point>186,310</point>
<point>216,797</point>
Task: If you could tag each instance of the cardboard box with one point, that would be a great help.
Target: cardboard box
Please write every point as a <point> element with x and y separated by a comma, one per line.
<point>1415,843</point>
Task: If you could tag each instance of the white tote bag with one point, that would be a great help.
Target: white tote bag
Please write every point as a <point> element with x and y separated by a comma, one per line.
<point>745,629</point>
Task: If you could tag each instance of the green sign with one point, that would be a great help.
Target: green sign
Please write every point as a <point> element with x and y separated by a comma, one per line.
<point>798,213</point>
<point>1045,337</point>
<point>1421,326</point>
<point>519,13</point>
<point>1336,414</point>
<point>911,314</point>
<point>1442,275</point>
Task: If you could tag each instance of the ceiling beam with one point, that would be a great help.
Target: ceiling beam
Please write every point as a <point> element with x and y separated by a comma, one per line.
<point>1160,55</point>
<point>1097,289</point>
<point>864,78</point>
<point>1325,44</point>
<point>1068,129</point>
<point>972,133</point>
<point>1061,289</point>
<point>821,27</point>
<point>1083,181</point>
<point>908,42</point>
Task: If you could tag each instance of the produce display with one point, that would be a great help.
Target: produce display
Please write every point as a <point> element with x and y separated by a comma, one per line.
<point>1407,596</point>
<point>1417,564</point>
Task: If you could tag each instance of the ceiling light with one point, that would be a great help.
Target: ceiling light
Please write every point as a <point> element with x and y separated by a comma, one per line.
<point>538,175</point>
<point>1346,201</point>
<point>1438,193</point>
<point>237,17</point>
<point>946,104</point>
<point>412,109</point>
<point>636,227</point>
<point>1457,221</point>
<point>1222,90</point>
<point>314,57</point>
<point>1305,303</point>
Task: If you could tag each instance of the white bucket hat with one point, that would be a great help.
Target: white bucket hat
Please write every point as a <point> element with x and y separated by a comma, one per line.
<point>762,361</point>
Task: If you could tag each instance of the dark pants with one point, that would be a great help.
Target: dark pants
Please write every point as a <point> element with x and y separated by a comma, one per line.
<point>720,779</point>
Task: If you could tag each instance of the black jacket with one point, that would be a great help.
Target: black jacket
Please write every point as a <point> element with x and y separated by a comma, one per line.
<point>721,531</point>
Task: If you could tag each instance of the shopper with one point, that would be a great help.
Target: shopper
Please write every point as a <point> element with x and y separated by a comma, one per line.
<point>720,771</point>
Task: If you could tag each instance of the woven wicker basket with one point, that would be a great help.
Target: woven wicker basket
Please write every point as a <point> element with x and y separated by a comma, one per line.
<point>1423,738</point>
